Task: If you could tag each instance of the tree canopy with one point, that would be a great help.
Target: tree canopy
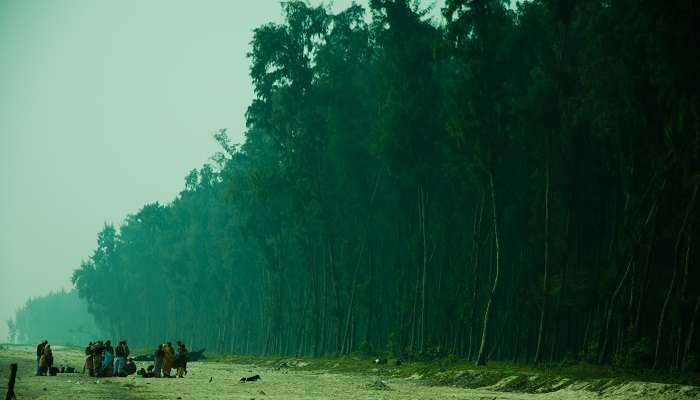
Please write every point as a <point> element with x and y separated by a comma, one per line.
<point>518,183</point>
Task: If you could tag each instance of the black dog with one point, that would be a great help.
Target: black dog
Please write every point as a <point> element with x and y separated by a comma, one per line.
<point>145,374</point>
<point>250,378</point>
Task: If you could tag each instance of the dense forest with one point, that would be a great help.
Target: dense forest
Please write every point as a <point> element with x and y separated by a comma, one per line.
<point>60,317</point>
<point>518,182</point>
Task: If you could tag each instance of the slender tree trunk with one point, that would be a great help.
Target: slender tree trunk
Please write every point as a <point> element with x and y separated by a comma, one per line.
<point>414,313</point>
<point>553,353</point>
<point>476,250</point>
<point>611,309</point>
<point>689,337</point>
<point>671,286</point>
<point>501,335</point>
<point>683,306</point>
<point>336,291</point>
<point>678,344</point>
<point>324,309</point>
<point>315,312</point>
<point>421,221</point>
<point>643,283</point>
<point>481,357</point>
<point>370,308</point>
<point>345,348</point>
<point>545,280</point>
<point>644,274</point>
<point>586,333</point>
<point>516,347</point>
<point>303,324</point>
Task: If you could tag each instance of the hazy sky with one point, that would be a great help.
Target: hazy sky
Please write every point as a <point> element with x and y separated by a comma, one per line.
<point>105,106</point>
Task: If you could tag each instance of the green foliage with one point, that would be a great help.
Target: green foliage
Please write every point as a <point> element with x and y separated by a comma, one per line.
<point>60,317</point>
<point>637,354</point>
<point>360,213</point>
<point>11,330</point>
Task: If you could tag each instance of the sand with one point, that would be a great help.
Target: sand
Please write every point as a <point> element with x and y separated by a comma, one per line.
<point>217,380</point>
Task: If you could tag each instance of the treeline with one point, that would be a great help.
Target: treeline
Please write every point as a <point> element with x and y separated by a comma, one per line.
<point>514,184</point>
<point>59,317</point>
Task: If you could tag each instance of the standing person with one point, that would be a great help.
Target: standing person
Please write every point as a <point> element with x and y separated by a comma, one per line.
<point>181,360</point>
<point>119,355</point>
<point>39,352</point>
<point>126,350</point>
<point>88,360</point>
<point>167,359</point>
<point>46,360</point>
<point>158,361</point>
<point>97,350</point>
<point>108,358</point>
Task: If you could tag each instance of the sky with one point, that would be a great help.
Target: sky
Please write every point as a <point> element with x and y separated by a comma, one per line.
<point>106,106</point>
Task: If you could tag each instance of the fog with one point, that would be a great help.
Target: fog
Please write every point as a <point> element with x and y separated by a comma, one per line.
<point>105,106</point>
<point>516,182</point>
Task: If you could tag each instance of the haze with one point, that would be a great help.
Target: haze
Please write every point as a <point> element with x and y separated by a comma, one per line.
<point>497,197</point>
<point>105,106</point>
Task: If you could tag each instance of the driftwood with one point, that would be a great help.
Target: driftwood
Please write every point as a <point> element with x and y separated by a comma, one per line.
<point>191,356</point>
<point>196,355</point>
<point>11,385</point>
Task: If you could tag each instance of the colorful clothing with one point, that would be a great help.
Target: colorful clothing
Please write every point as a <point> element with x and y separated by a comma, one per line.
<point>180,362</point>
<point>158,362</point>
<point>167,360</point>
<point>106,360</point>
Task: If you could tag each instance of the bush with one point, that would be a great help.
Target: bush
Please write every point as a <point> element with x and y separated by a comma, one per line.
<point>589,355</point>
<point>637,354</point>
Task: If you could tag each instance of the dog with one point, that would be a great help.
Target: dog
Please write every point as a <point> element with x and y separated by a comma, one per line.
<point>250,378</point>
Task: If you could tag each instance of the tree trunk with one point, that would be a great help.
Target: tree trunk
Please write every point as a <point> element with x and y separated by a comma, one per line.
<point>315,312</point>
<point>501,335</point>
<point>586,333</point>
<point>345,348</point>
<point>683,306</point>
<point>557,308</point>
<point>414,317</point>
<point>421,212</point>
<point>303,325</point>
<point>671,286</point>
<point>481,357</point>
<point>476,250</point>
<point>689,337</point>
<point>370,309</point>
<point>324,309</point>
<point>611,309</point>
<point>336,291</point>
<point>545,280</point>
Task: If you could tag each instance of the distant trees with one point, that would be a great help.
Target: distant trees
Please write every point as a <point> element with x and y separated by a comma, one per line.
<point>517,184</point>
<point>60,317</point>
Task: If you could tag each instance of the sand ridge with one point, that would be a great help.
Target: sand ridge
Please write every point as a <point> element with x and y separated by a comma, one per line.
<point>218,380</point>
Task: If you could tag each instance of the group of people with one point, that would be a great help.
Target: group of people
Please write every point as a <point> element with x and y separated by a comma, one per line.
<point>165,359</point>
<point>101,359</point>
<point>44,359</point>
